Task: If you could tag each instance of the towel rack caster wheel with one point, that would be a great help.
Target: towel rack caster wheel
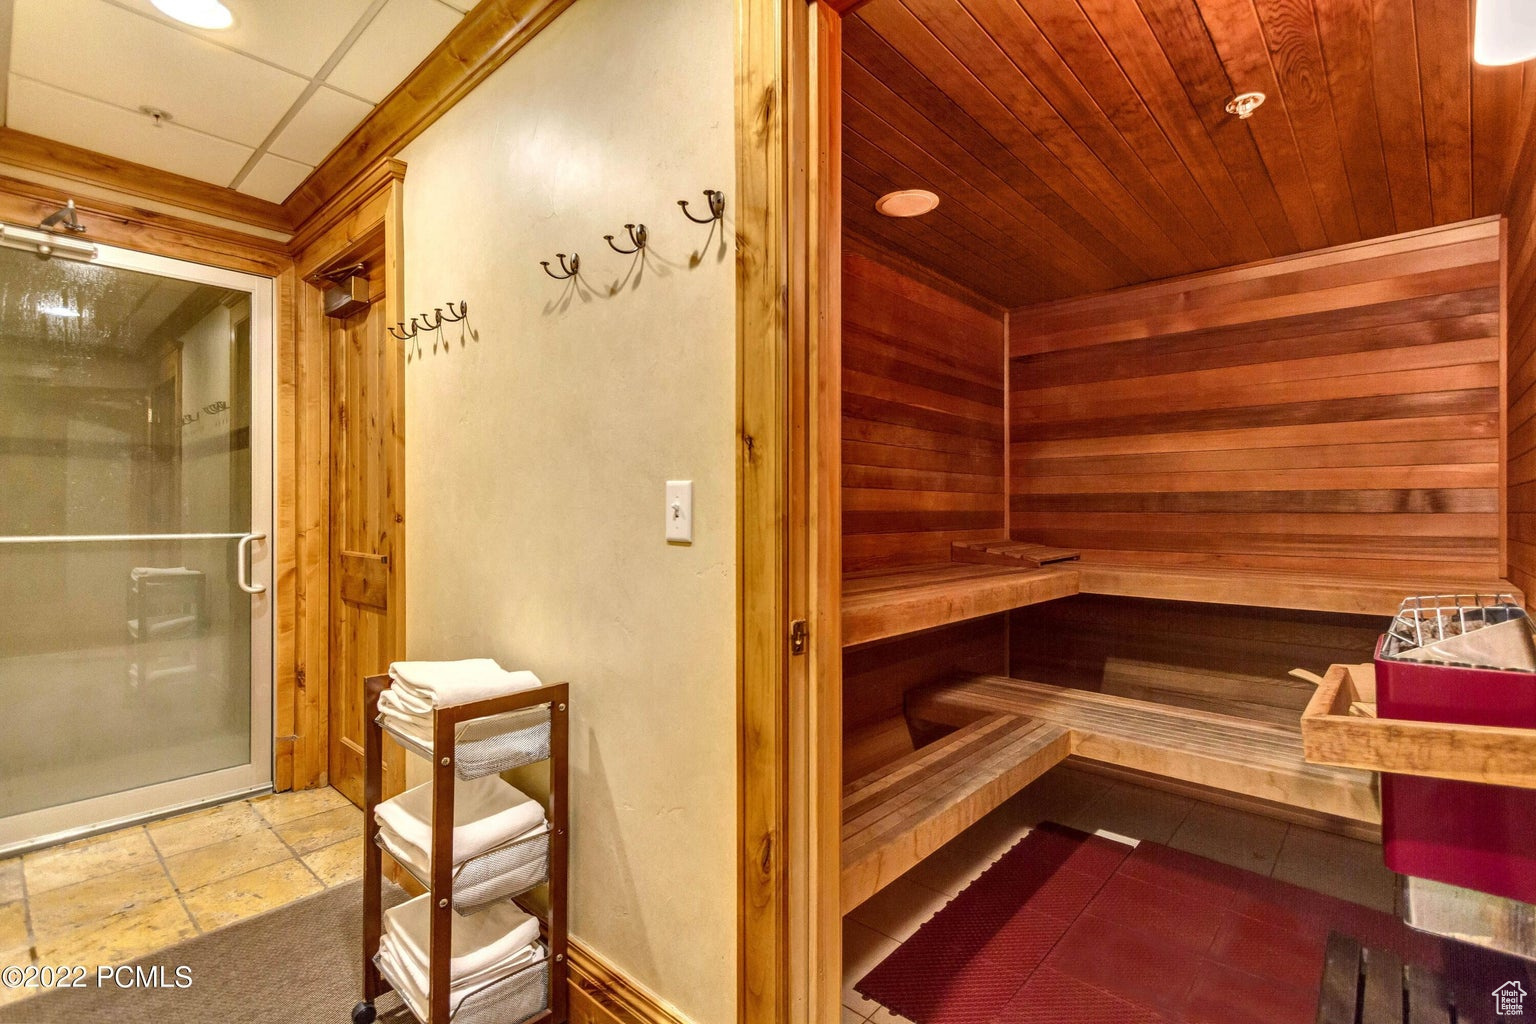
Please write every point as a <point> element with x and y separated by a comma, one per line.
<point>364,1013</point>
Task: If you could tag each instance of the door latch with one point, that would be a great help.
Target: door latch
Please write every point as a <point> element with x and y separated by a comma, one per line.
<point>798,634</point>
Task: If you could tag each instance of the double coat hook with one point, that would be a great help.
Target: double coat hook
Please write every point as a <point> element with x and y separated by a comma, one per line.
<point>637,239</point>
<point>716,207</point>
<point>570,269</point>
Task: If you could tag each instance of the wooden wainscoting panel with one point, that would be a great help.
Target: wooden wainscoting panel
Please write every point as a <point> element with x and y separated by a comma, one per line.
<point>1336,413</point>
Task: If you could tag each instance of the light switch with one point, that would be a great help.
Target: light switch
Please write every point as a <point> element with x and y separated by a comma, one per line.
<point>680,511</point>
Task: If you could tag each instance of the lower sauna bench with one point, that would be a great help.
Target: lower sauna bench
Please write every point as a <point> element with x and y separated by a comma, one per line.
<point>1262,761</point>
<point>896,816</point>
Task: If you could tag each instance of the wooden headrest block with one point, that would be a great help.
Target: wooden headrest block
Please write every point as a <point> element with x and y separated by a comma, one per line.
<point>1009,552</point>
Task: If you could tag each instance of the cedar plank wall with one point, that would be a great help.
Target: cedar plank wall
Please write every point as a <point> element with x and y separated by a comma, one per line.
<point>1223,658</point>
<point>1521,242</point>
<point>1334,412</point>
<point>922,417</point>
<point>922,465</point>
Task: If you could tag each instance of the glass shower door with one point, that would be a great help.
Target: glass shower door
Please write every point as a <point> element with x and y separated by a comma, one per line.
<point>135,491</point>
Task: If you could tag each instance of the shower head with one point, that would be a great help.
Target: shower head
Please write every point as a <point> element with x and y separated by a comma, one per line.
<point>64,217</point>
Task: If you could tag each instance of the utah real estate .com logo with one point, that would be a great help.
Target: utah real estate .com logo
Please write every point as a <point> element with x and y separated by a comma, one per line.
<point>1509,1000</point>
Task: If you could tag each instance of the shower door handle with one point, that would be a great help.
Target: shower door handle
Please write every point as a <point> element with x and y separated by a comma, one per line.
<point>241,552</point>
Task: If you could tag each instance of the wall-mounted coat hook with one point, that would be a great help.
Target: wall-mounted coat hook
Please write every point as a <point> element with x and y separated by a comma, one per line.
<point>716,207</point>
<point>636,238</point>
<point>449,318</point>
<point>403,334</point>
<point>570,269</point>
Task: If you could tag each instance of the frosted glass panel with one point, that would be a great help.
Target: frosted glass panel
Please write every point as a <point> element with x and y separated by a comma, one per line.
<point>125,410</point>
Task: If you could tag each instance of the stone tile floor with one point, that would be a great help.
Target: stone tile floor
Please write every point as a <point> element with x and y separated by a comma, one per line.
<point>116,897</point>
<point>1346,868</point>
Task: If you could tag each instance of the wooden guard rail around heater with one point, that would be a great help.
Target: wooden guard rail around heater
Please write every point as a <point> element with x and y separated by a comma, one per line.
<point>894,817</point>
<point>1259,760</point>
<point>878,605</point>
<point>1339,727</point>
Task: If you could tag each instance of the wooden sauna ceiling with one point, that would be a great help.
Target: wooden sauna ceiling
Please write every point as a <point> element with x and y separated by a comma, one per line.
<point>1082,145</point>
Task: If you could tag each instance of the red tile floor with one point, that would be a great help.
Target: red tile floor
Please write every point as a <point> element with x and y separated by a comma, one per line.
<point>1067,927</point>
<point>1259,961</point>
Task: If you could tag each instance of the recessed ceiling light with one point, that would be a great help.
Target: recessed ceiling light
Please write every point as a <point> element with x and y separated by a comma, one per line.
<point>197,13</point>
<point>1505,32</point>
<point>59,311</point>
<point>909,202</point>
<point>1244,104</point>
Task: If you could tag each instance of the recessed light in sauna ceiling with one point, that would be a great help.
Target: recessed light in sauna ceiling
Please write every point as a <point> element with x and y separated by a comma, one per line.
<point>1244,104</point>
<point>197,13</point>
<point>908,202</point>
<point>1505,32</point>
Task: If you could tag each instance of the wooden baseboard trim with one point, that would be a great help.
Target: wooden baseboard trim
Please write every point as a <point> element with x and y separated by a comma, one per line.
<point>603,994</point>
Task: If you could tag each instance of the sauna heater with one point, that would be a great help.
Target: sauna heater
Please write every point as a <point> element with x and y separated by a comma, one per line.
<point>1471,660</point>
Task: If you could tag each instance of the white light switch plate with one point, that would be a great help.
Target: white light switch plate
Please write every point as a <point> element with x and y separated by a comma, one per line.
<point>680,511</point>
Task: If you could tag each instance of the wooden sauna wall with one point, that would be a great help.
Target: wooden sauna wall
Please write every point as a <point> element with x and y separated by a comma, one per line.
<point>1223,658</point>
<point>1521,227</point>
<point>1335,412</point>
<point>923,381</point>
<point>923,448</point>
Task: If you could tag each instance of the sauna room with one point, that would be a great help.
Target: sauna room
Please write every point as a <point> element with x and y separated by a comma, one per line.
<point>1185,356</point>
<point>768,511</point>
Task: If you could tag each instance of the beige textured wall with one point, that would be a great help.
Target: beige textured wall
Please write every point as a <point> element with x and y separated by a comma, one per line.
<point>538,447</point>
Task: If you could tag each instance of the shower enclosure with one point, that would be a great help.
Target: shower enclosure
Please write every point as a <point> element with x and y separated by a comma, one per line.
<point>135,564</point>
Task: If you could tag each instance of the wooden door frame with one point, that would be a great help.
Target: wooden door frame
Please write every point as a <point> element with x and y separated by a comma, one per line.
<point>371,205</point>
<point>789,548</point>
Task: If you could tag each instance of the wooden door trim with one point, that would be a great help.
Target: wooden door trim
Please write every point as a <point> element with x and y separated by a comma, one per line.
<point>343,228</point>
<point>788,225</point>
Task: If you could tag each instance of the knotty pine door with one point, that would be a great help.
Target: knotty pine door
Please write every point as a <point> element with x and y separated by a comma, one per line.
<point>365,533</point>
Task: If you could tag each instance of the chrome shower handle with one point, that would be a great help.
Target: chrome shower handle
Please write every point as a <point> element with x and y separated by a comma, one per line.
<point>241,577</point>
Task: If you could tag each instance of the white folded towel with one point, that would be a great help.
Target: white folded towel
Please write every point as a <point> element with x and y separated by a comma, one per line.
<point>418,860</point>
<point>482,943</point>
<point>486,813</point>
<point>414,726</point>
<point>412,980</point>
<point>419,686</point>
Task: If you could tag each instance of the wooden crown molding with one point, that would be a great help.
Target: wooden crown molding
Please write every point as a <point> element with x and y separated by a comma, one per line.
<point>26,202</point>
<point>489,34</point>
<point>351,203</point>
<point>71,163</point>
<point>602,994</point>
<point>844,7</point>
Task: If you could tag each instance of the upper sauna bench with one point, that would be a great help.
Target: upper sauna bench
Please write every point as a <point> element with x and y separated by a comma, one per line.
<point>887,603</point>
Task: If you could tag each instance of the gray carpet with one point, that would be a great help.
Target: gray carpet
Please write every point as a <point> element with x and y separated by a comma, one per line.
<point>300,964</point>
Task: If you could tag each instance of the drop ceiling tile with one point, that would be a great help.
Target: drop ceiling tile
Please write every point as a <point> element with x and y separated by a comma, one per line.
<point>322,122</point>
<point>274,178</point>
<point>389,49</point>
<point>41,109</point>
<point>299,35</point>
<point>97,49</point>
